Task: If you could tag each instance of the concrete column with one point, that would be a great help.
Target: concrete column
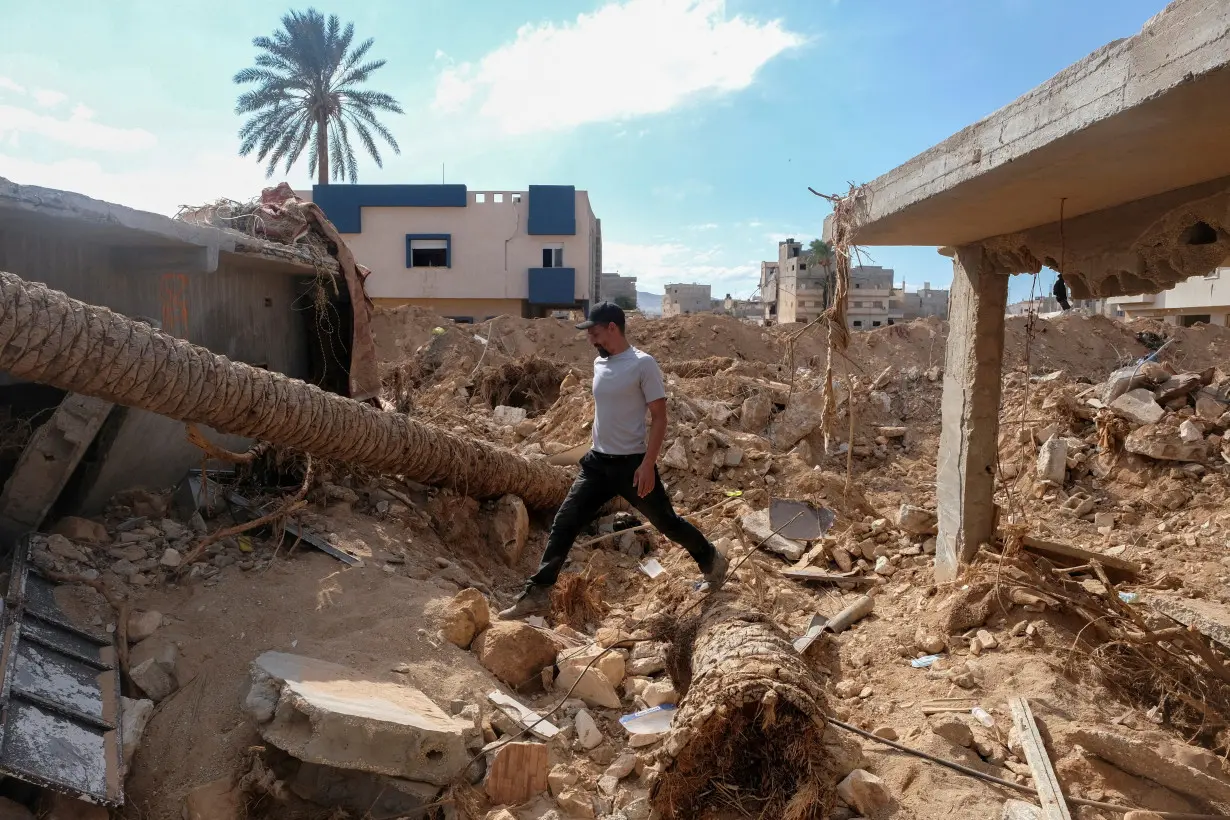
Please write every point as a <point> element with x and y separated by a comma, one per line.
<point>965,474</point>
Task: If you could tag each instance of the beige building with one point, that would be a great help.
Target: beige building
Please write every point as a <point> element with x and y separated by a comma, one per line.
<point>925,302</point>
<point>1198,299</point>
<point>682,299</point>
<point>471,255</point>
<point>741,308</point>
<point>616,287</point>
<point>873,301</point>
<point>792,289</point>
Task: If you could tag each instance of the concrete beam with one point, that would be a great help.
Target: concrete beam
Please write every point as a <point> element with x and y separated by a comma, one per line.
<point>965,473</point>
<point>181,259</point>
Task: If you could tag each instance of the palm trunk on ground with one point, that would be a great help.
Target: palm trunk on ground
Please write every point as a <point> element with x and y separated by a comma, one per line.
<point>750,727</point>
<point>49,338</point>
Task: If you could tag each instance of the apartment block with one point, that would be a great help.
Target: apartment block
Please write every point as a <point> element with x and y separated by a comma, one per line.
<point>873,301</point>
<point>683,299</point>
<point>1199,299</point>
<point>615,288</point>
<point>792,289</point>
<point>471,255</point>
<point>925,302</point>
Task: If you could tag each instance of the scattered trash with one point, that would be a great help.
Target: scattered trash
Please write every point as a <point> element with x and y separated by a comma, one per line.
<point>983,716</point>
<point>1129,597</point>
<point>814,630</point>
<point>438,331</point>
<point>652,568</point>
<point>653,721</point>
<point>851,614</point>
<point>925,661</point>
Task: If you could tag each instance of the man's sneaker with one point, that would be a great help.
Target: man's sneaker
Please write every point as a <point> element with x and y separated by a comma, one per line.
<point>535,600</point>
<point>716,576</point>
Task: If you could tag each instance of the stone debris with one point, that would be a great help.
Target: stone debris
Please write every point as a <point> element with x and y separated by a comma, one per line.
<point>136,714</point>
<point>153,668</point>
<point>916,520</point>
<point>81,529</point>
<point>590,685</point>
<point>760,530</point>
<point>1020,810</point>
<point>863,791</point>
<point>588,733</point>
<point>1153,760</point>
<point>509,416</point>
<point>1139,407</point>
<point>516,652</point>
<point>1165,442</point>
<point>465,616</point>
<point>1053,460</point>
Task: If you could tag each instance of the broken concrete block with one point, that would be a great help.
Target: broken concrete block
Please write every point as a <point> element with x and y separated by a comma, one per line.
<point>518,771</point>
<point>362,793</point>
<point>142,624</point>
<point>1164,442</point>
<point>1190,432</point>
<point>1020,810</point>
<point>1151,759</point>
<point>1180,386</point>
<point>916,520</point>
<point>510,416</point>
<point>758,529</point>
<point>81,529</point>
<point>154,668</point>
<point>135,715</point>
<point>588,733</point>
<point>577,803</point>
<point>799,418</point>
<point>676,456</point>
<point>560,778</point>
<point>590,685</point>
<point>755,413</point>
<point>516,652</point>
<point>1123,380</point>
<point>1053,460</point>
<point>1208,407</point>
<point>510,528</point>
<point>659,693</point>
<point>61,547</point>
<point>323,713</point>
<point>863,791</point>
<point>610,664</point>
<point>1138,407</point>
<point>464,617</point>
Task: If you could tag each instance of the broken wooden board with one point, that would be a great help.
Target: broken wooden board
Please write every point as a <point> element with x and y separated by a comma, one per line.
<point>814,574</point>
<point>941,705</point>
<point>523,715</point>
<point>1054,806</point>
<point>1210,619</point>
<point>518,772</point>
<point>1113,565</point>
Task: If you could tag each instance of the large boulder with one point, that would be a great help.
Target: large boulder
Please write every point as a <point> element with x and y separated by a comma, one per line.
<point>464,617</point>
<point>516,652</point>
<point>1138,406</point>
<point>758,528</point>
<point>328,714</point>
<point>1165,442</point>
<point>800,417</point>
<point>755,412</point>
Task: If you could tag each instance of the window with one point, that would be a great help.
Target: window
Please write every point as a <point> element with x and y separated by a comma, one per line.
<point>516,197</point>
<point>857,285</point>
<point>553,256</point>
<point>429,251</point>
<point>480,199</point>
<point>802,266</point>
<point>875,324</point>
<point>858,323</point>
<point>497,197</point>
<point>858,304</point>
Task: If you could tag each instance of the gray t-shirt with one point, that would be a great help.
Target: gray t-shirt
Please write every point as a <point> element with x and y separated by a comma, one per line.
<point>624,385</point>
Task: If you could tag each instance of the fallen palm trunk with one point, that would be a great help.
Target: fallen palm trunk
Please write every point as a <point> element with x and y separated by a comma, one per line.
<point>751,725</point>
<point>49,338</point>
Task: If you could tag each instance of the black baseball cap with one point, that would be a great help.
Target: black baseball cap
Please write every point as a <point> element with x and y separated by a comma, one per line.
<point>604,313</point>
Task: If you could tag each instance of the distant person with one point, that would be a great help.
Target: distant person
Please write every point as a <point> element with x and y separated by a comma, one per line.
<point>1060,292</point>
<point>622,461</point>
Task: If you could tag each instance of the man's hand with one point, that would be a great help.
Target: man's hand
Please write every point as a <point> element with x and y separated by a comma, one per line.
<point>643,478</point>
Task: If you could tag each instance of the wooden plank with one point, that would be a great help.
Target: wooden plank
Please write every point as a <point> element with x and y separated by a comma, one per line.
<point>816,574</point>
<point>517,773</point>
<point>1054,807</point>
<point>1112,564</point>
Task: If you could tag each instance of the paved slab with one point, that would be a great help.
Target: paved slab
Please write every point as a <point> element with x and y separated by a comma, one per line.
<point>328,714</point>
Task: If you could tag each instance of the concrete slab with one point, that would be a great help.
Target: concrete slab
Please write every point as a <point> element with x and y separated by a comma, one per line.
<point>328,714</point>
<point>1136,118</point>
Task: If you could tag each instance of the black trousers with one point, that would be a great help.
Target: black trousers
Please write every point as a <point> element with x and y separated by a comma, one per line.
<point>603,477</point>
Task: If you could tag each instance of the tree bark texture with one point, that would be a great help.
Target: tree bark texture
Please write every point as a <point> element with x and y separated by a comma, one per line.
<point>47,337</point>
<point>750,726</point>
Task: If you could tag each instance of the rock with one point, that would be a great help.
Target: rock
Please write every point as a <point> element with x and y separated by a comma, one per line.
<point>1208,408</point>
<point>799,418</point>
<point>588,733</point>
<point>659,693</point>
<point>515,652</point>
<point>916,520</point>
<point>954,730</point>
<point>1138,407</point>
<point>864,792</point>
<point>133,552</point>
<point>638,809</point>
<point>1141,815</point>
<point>362,793</point>
<point>1152,759</point>
<point>1164,442</point>
<point>1053,460</point>
<point>81,529</point>
<point>610,664</point>
<point>623,766</point>
<point>755,412</point>
<point>509,416</point>
<point>676,456</point>
<point>61,547</point>
<point>135,715</point>
<point>590,685</point>
<point>1020,810</point>
<point>324,713</point>
<point>569,382</point>
<point>510,528</point>
<point>560,778</point>
<point>1179,386</point>
<point>647,659</point>
<point>886,732</point>
<point>11,810</point>
<point>517,772</point>
<point>218,800</point>
<point>880,401</point>
<point>847,689</point>
<point>733,456</point>
<point>154,668</point>
<point>526,428</point>
<point>927,642</point>
<point>1104,521</point>
<point>1190,432</point>
<point>500,814</point>
<point>464,617</point>
<point>758,529</point>
<point>987,639</point>
<point>142,624</point>
<point>171,558</point>
<point>576,803</point>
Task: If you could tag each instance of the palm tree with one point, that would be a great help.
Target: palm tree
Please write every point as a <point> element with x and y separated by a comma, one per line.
<point>820,253</point>
<point>307,91</point>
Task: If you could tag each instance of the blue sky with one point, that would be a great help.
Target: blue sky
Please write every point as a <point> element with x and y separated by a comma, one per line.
<point>696,125</point>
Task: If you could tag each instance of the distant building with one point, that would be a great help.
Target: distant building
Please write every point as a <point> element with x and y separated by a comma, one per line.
<point>925,302</point>
<point>683,299</point>
<point>741,308</point>
<point>471,255</point>
<point>615,287</point>
<point>1048,306</point>
<point>1199,299</point>
<point>872,299</point>
<point>792,289</point>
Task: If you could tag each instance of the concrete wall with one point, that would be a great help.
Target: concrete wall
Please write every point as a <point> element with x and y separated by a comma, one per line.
<point>686,299</point>
<point>926,301</point>
<point>490,247</point>
<point>477,310</point>
<point>615,286</point>
<point>1207,295</point>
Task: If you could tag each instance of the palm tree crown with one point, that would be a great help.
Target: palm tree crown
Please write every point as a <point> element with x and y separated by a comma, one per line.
<point>308,79</point>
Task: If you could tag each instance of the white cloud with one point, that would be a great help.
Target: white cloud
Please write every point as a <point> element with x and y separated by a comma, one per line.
<point>12,85</point>
<point>707,226</point>
<point>78,130</point>
<point>657,265</point>
<point>48,98</point>
<point>627,59</point>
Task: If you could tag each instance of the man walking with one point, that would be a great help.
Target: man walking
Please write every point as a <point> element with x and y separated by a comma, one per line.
<point>1060,291</point>
<point>623,461</point>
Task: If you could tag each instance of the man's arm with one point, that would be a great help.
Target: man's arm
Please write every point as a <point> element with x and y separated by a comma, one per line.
<point>644,477</point>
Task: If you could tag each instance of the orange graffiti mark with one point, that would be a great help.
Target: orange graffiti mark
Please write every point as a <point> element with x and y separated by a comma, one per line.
<point>173,296</point>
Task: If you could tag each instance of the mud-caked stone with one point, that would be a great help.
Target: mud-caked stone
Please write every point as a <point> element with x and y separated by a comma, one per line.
<point>142,624</point>
<point>81,529</point>
<point>135,715</point>
<point>1138,407</point>
<point>515,652</point>
<point>954,730</point>
<point>1165,442</point>
<point>328,714</point>
<point>755,413</point>
<point>510,528</point>
<point>1053,460</point>
<point>610,664</point>
<point>61,547</point>
<point>863,791</point>
<point>153,668</point>
<point>916,520</point>
<point>464,617</point>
